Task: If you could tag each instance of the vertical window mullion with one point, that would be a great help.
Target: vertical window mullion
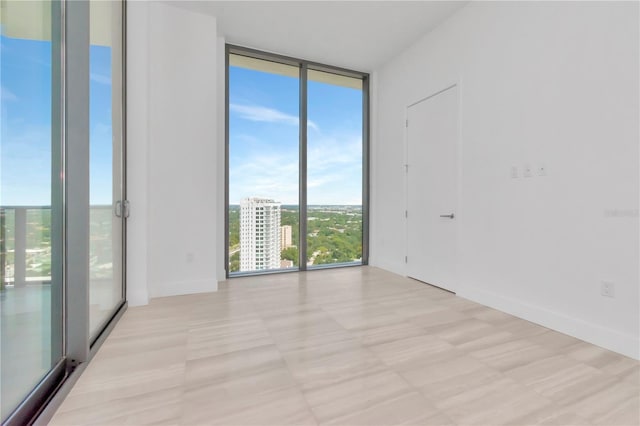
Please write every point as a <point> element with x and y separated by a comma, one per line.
<point>302,234</point>
<point>58,290</point>
<point>227,255</point>
<point>365,171</point>
<point>77,179</point>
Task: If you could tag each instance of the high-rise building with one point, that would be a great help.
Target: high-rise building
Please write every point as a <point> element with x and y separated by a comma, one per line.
<point>285,237</point>
<point>259,234</point>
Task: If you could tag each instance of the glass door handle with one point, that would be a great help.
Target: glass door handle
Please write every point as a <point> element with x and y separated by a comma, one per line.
<point>122,208</point>
<point>450,216</point>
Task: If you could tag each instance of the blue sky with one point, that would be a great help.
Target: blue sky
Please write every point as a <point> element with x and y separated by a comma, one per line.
<point>263,139</point>
<point>263,132</point>
<point>25,110</point>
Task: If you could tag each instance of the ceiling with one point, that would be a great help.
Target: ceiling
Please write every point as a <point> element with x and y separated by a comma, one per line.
<point>358,35</point>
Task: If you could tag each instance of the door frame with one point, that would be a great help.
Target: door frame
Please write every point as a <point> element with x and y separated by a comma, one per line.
<point>456,83</point>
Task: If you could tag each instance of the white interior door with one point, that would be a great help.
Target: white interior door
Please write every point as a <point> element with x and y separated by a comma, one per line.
<point>432,189</point>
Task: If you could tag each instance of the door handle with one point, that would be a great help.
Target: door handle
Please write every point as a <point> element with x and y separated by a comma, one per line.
<point>121,208</point>
<point>450,216</point>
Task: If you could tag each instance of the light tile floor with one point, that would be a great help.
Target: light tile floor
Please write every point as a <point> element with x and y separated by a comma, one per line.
<point>354,346</point>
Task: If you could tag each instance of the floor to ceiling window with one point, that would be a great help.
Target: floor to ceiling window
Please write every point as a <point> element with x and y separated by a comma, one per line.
<point>30,289</point>
<point>334,169</point>
<point>263,164</point>
<point>61,193</point>
<point>297,155</point>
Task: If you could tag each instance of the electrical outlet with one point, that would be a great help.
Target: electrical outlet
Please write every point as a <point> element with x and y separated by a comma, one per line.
<point>542,170</point>
<point>607,289</point>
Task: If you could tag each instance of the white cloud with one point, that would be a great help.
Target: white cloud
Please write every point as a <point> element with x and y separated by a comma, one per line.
<point>100,79</point>
<point>267,115</point>
<point>7,95</point>
<point>342,152</point>
<point>334,168</point>
<point>264,174</point>
<point>318,182</point>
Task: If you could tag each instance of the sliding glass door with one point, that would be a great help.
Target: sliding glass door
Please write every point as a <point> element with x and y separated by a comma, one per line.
<point>107,211</point>
<point>62,205</point>
<point>296,149</point>
<point>31,320</point>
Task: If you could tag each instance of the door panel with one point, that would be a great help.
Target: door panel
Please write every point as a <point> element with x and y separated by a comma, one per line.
<point>432,189</point>
<point>106,149</point>
<point>31,237</point>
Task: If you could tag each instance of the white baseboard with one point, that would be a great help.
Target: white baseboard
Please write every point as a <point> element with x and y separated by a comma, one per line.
<point>133,301</point>
<point>395,267</point>
<point>184,287</point>
<point>625,344</point>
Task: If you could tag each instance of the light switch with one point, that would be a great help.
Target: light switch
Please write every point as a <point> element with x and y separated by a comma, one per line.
<point>514,172</point>
<point>527,171</point>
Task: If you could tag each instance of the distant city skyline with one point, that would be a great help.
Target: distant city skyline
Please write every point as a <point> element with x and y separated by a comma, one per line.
<point>334,235</point>
<point>308,205</point>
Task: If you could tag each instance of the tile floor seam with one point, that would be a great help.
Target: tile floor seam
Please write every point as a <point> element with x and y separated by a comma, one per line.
<point>293,378</point>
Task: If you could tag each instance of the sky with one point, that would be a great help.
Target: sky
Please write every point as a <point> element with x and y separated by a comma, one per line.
<point>263,139</point>
<point>263,133</point>
<point>25,117</point>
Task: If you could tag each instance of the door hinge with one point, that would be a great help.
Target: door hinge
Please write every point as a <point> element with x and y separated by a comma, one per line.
<point>406,123</point>
<point>406,213</point>
<point>406,168</point>
<point>406,259</point>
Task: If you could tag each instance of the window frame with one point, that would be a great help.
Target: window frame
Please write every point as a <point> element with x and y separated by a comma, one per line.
<point>304,66</point>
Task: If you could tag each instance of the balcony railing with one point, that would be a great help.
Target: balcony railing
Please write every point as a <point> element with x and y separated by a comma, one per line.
<point>25,243</point>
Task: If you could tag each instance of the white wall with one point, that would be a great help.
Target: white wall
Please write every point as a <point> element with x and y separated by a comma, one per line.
<point>553,84</point>
<point>174,176</point>
<point>137,151</point>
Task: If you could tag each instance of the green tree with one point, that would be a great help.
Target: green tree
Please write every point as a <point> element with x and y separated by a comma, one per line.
<point>290,253</point>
